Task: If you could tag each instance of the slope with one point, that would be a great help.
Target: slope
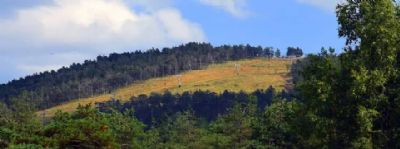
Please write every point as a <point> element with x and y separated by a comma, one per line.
<point>244,75</point>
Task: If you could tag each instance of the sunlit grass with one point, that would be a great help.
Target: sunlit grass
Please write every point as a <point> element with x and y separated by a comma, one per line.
<point>254,74</point>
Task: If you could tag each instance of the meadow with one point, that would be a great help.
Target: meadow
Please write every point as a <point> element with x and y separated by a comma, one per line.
<point>244,75</point>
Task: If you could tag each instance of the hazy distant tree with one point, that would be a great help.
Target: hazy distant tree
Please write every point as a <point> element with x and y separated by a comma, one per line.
<point>297,52</point>
<point>269,52</point>
<point>278,53</point>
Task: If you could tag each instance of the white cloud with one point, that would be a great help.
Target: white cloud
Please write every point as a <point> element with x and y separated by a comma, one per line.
<point>37,36</point>
<point>328,5</point>
<point>150,5</point>
<point>235,7</point>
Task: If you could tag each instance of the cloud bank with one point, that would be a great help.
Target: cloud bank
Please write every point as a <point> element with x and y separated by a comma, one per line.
<point>65,31</point>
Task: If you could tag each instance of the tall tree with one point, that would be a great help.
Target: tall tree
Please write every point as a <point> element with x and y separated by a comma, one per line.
<point>372,29</point>
<point>351,100</point>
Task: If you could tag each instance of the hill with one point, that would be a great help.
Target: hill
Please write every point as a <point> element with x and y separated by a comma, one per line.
<point>108,73</point>
<point>243,75</point>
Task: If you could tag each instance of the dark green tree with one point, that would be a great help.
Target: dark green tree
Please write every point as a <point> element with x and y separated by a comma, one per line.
<point>276,127</point>
<point>182,131</point>
<point>86,128</point>
<point>236,129</point>
<point>292,51</point>
<point>351,100</point>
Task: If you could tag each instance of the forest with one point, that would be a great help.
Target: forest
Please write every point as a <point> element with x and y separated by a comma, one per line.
<point>340,100</point>
<point>206,105</point>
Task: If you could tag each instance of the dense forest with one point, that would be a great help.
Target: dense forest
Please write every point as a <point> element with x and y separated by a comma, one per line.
<point>242,126</point>
<point>153,109</point>
<point>347,100</point>
<point>107,73</point>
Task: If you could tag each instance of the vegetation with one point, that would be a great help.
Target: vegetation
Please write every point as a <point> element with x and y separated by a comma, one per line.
<point>202,104</point>
<point>233,124</point>
<point>253,74</point>
<point>296,52</point>
<point>349,100</point>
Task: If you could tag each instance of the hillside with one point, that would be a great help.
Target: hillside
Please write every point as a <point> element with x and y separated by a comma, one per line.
<point>254,74</point>
<point>108,73</point>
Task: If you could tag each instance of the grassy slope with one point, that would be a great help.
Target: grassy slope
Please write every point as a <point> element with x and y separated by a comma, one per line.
<point>254,74</point>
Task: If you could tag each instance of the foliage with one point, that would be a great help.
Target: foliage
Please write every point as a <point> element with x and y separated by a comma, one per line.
<point>297,52</point>
<point>84,129</point>
<point>277,125</point>
<point>204,104</point>
<point>350,100</point>
<point>234,127</point>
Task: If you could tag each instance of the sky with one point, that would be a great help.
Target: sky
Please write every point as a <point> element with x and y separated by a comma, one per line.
<point>40,35</point>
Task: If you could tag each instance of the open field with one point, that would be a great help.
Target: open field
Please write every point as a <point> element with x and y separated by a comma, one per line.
<point>245,75</point>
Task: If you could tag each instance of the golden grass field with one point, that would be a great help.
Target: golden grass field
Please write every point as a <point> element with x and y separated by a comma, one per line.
<point>253,74</point>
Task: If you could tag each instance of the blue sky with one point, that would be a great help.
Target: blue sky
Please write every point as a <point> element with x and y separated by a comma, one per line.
<point>39,35</point>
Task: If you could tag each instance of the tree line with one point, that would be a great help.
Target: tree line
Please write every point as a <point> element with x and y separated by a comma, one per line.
<point>206,105</point>
<point>191,120</point>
